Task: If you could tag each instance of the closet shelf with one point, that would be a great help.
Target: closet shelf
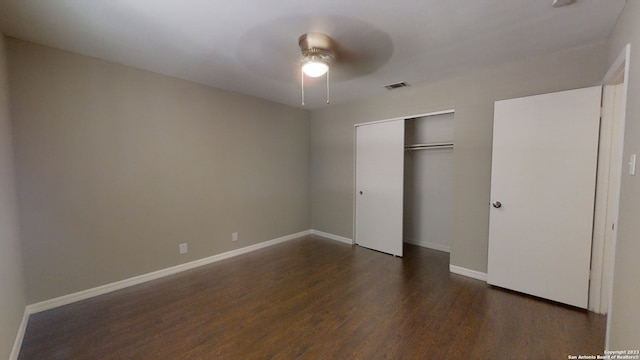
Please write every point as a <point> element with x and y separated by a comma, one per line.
<point>429,146</point>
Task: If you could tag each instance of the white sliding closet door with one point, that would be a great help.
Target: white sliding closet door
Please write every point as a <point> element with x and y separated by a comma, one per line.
<point>542,188</point>
<point>379,186</point>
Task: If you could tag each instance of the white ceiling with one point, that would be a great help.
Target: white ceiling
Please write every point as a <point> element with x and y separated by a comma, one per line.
<point>251,46</point>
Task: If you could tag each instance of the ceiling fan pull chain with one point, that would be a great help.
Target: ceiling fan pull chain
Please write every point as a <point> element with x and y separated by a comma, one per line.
<point>328,86</point>
<point>302,84</point>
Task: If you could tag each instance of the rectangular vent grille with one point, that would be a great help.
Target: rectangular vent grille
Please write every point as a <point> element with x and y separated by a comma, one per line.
<point>396,85</point>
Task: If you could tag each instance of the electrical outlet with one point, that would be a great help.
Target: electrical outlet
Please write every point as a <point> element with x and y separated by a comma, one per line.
<point>234,236</point>
<point>183,248</point>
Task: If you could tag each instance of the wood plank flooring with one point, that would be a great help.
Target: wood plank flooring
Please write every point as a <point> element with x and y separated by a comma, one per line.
<point>314,298</point>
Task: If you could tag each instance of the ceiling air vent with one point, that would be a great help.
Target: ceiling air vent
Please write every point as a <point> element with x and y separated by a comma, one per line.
<point>559,3</point>
<point>396,85</point>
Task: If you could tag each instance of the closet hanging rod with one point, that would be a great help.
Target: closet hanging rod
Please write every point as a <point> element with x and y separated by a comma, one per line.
<point>429,146</point>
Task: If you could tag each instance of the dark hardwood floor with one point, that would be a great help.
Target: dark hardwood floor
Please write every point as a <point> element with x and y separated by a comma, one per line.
<point>315,299</point>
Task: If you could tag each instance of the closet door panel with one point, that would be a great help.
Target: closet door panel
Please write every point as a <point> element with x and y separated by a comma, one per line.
<point>379,186</point>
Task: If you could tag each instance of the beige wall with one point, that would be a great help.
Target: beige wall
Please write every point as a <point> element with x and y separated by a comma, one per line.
<point>12,292</point>
<point>625,308</point>
<point>117,166</point>
<point>472,96</point>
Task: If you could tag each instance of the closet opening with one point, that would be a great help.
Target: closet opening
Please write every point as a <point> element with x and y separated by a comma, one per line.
<point>428,178</point>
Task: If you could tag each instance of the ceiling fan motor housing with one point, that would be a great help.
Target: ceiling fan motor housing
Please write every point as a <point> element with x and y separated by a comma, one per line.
<point>317,46</point>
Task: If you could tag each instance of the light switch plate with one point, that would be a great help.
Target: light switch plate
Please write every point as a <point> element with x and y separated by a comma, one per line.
<point>632,165</point>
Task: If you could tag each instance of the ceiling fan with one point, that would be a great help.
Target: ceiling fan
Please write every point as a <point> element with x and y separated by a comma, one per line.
<point>351,48</point>
<point>318,55</point>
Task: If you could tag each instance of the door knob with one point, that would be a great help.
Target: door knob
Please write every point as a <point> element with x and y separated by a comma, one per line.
<point>497,204</point>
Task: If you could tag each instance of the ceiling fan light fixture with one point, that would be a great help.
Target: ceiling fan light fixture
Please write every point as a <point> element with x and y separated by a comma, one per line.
<point>315,67</point>
<point>317,56</point>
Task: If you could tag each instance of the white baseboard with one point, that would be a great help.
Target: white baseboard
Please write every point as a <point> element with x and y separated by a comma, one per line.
<point>100,290</point>
<point>332,237</point>
<point>428,245</point>
<point>468,272</point>
<point>17,344</point>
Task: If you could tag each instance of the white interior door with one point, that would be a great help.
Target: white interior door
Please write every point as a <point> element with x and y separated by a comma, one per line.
<point>543,176</point>
<point>379,186</point>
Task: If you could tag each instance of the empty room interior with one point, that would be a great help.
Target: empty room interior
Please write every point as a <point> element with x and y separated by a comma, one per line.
<point>360,179</point>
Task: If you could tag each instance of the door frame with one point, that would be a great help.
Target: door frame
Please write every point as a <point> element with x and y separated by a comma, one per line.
<point>602,266</point>
<point>355,144</point>
<point>608,185</point>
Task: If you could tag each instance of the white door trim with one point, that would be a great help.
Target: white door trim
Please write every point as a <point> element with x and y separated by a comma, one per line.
<point>408,117</point>
<point>602,267</point>
<point>608,186</point>
<point>607,196</point>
